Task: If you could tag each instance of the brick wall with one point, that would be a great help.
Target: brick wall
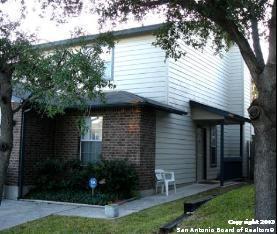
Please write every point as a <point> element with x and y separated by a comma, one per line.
<point>12,174</point>
<point>121,135</point>
<point>38,143</point>
<point>128,133</point>
<point>66,137</point>
<point>147,148</point>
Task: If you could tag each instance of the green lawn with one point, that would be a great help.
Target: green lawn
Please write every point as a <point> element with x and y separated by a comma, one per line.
<point>237,203</point>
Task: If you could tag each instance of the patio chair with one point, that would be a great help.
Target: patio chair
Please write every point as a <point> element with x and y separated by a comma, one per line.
<point>159,173</point>
<point>165,179</point>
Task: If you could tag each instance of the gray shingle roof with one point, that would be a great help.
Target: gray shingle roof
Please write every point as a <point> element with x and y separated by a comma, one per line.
<point>118,99</point>
<point>127,99</point>
<point>227,115</point>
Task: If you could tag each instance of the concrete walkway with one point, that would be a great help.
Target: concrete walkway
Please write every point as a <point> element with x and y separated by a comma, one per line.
<point>13,212</point>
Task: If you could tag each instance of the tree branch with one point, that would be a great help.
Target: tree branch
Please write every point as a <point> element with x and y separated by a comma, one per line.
<point>253,61</point>
<point>220,18</point>
<point>272,36</point>
<point>244,46</point>
<point>22,105</point>
<point>257,43</point>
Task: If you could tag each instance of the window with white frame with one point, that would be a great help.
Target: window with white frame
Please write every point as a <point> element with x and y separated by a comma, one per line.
<point>108,70</point>
<point>91,140</point>
<point>108,57</point>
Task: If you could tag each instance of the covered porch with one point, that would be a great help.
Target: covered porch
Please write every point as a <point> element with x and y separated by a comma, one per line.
<point>230,166</point>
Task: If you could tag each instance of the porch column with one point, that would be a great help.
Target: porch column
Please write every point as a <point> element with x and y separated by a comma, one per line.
<point>241,141</point>
<point>241,148</point>
<point>222,155</point>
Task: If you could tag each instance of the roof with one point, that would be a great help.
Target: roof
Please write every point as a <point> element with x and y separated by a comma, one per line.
<point>90,38</point>
<point>127,99</point>
<point>119,99</point>
<point>227,117</point>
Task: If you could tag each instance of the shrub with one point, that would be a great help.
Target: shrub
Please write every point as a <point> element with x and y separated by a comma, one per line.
<point>119,177</point>
<point>54,174</point>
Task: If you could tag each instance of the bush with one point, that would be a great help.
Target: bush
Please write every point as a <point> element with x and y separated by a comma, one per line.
<point>54,174</point>
<point>119,178</point>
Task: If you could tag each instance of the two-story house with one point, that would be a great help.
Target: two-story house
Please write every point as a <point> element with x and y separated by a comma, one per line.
<point>188,116</point>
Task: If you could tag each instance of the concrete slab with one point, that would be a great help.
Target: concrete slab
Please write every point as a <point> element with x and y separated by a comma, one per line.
<point>87,212</point>
<point>97,213</point>
<point>150,201</point>
<point>13,212</point>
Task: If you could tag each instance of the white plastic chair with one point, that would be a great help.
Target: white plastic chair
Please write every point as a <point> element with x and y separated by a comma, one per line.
<point>169,180</point>
<point>165,179</point>
<point>160,177</point>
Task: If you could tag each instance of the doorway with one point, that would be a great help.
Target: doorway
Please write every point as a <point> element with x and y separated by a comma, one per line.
<point>201,154</point>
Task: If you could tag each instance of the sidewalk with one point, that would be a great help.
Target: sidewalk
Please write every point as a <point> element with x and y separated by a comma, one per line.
<point>13,212</point>
<point>142,203</point>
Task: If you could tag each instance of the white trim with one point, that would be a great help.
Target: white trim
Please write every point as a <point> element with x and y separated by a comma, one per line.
<point>91,140</point>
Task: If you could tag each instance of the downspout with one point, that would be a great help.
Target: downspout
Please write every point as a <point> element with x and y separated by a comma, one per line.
<point>22,154</point>
<point>222,142</point>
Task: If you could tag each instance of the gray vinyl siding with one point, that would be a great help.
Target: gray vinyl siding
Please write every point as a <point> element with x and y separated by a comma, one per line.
<point>240,98</point>
<point>209,79</point>
<point>140,68</point>
<point>201,77</point>
<point>175,146</point>
<point>247,128</point>
<point>236,102</point>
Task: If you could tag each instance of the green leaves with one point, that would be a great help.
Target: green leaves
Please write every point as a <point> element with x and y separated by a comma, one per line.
<point>196,23</point>
<point>57,79</point>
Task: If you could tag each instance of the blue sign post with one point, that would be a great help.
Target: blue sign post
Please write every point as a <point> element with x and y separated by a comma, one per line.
<point>92,184</point>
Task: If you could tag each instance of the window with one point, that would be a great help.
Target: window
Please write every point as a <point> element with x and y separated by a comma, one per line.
<point>108,58</point>
<point>108,70</point>
<point>213,146</point>
<point>91,140</point>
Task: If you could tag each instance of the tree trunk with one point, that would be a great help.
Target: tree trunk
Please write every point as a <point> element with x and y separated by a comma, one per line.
<point>6,130</point>
<point>263,115</point>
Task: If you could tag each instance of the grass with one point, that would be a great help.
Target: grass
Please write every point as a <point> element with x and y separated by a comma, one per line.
<point>238,203</point>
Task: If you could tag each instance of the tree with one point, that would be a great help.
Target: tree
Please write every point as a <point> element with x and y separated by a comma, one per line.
<point>48,81</point>
<point>223,22</point>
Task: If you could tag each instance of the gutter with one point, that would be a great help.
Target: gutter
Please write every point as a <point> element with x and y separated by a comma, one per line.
<point>137,104</point>
<point>90,38</point>
<point>22,154</point>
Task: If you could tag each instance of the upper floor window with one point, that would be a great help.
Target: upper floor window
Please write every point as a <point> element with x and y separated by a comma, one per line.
<point>108,70</point>
<point>108,58</point>
<point>213,146</point>
<point>91,140</point>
